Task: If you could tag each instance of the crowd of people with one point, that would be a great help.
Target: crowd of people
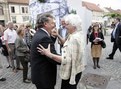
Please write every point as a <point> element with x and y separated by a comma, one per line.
<point>15,44</point>
<point>36,46</point>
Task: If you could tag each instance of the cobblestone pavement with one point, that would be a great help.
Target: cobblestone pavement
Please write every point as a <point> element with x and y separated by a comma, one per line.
<point>108,67</point>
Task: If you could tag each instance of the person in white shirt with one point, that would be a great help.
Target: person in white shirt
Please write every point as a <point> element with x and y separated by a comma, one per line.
<point>10,37</point>
<point>62,31</point>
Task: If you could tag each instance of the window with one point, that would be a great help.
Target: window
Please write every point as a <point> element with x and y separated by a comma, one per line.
<point>24,9</point>
<point>12,10</point>
<point>25,18</point>
<point>1,10</point>
<point>14,19</point>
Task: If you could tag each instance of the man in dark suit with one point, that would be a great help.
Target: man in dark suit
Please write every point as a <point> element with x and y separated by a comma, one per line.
<point>43,69</point>
<point>62,31</point>
<point>116,38</point>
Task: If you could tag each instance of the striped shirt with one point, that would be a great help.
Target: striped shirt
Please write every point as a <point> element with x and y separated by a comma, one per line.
<point>72,55</point>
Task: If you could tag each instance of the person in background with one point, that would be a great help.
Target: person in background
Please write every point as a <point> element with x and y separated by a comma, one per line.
<point>36,27</point>
<point>5,50</point>
<point>100,26</point>
<point>115,38</point>
<point>15,27</point>
<point>28,35</point>
<point>72,53</point>
<point>96,49</point>
<point>62,31</point>
<point>22,25</point>
<point>1,30</point>
<point>10,37</point>
<point>21,50</point>
<point>1,69</point>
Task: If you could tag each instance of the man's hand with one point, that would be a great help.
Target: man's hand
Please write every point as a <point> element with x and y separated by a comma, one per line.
<point>9,50</point>
<point>55,32</point>
<point>59,43</point>
<point>2,48</point>
<point>28,50</point>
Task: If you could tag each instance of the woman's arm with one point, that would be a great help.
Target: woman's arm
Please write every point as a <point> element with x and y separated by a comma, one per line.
<point>61,39</point>
<point>55,33</point>
<point>47,52</point>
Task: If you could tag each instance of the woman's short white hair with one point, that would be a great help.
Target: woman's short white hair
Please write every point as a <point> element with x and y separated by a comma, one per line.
<point>74,20</point>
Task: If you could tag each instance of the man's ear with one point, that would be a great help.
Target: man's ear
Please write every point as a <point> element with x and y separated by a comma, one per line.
<point>45,24</point>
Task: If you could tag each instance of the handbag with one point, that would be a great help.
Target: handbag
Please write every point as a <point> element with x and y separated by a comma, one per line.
<point>27,57</point>
<point>103,44</point>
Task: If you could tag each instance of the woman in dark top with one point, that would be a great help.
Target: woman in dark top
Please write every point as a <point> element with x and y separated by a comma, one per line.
<point>96,38</point>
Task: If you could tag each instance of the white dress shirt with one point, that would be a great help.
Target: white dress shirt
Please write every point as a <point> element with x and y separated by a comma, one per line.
<point>64,33</point>
<point>114,32</point>
<point>10,36</point>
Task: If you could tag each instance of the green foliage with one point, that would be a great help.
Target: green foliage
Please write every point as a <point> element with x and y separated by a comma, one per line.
<point>32,24</point>
<point>41,1</point>
<point>112,15</point>
<point>73,11</point>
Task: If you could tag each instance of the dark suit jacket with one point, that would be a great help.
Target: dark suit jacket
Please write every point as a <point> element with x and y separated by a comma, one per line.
<point>112,39</point>
<point>92,37</point>
<point>60,32</point>
<point>43,69</point>
<point>118,35</point>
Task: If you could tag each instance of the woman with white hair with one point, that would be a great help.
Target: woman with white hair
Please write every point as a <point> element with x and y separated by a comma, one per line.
<point>72,53</point>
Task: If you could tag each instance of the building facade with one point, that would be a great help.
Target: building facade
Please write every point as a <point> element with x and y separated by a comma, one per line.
<point>19,11</point>
<point>97,12</point>
<point>4,12</point>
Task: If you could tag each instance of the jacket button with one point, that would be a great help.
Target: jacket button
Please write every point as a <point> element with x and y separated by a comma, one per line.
<point>64,51</point>
<point>64,57</point>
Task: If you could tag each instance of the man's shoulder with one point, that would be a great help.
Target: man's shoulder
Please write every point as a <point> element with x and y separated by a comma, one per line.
<point>6,30</point>
<point>40,35</point>
<point>119,24</point>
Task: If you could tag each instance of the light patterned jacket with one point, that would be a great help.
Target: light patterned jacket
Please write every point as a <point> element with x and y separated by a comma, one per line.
<point>72,55</point>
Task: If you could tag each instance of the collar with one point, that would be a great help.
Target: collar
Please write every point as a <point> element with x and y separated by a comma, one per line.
<point>10,29</point>
<point>45,31</point>
<point>72,34</point>
<point>117,24</point>
<point>62,27</point>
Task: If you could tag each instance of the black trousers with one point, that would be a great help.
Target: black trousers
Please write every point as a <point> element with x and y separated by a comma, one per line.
<point>25,67</point>
<point>65,83</point>
<point>39,87</point>
<point>115,47</point>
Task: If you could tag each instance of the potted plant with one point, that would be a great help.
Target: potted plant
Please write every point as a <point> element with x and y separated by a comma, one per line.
<point>41,1</point>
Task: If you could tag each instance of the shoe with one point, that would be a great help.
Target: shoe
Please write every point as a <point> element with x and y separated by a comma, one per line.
<point>109,58</point>
<point>94,67</point>
<point>8,67</point>
<point>19,68</point>
<point>98,66</point>
<point>15,71</point>
<point>26,81</point>
<point>3,79</point>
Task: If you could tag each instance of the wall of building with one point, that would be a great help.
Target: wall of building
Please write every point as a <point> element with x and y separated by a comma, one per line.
<point>97,16</point>
<point>20,17</point>
<point>5,16</point>
<point>86,17</point>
